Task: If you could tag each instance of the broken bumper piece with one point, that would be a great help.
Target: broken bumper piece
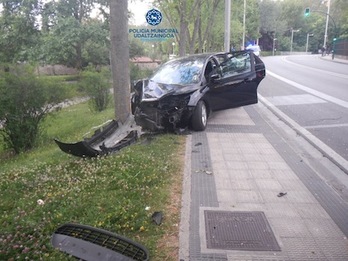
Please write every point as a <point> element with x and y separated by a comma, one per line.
<point>96,145</point>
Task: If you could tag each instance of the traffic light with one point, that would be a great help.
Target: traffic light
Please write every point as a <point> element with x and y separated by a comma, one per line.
<point>306,12</point>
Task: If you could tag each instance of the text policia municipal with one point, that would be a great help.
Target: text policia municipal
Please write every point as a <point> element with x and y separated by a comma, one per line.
<point>153,33</point>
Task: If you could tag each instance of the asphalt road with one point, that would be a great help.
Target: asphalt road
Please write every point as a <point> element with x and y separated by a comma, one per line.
<point>312,92</point>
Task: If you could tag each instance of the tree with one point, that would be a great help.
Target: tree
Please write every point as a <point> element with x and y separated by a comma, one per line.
<point>252,20</point>
<point>201,23</point>
<point>97,45</point>
<point>136,48</point>
<point>63,43</point>
<point>19,34</point>
<point>120,58</point>
<point>72,37</point>
<point>195,18</point>
<point>25,101</point>
<point>97,86</point>
<point>340,12</point>
<point>279,17</point>
<point>204,23</point>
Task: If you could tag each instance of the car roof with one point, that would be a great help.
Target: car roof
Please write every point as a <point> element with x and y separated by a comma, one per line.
<point>193,57</point>
<point>203,56</point>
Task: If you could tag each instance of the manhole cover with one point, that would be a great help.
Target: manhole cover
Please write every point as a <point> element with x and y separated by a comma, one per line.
<point>239,231</point>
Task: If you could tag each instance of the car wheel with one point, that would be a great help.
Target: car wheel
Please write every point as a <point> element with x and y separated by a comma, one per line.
<point>200,117</point>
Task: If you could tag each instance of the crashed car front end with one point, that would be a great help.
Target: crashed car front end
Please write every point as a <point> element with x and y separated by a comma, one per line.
<point>167,113</point>
<point>167,99</point>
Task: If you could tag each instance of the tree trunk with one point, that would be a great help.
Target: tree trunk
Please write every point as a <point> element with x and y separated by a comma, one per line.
<point>120,58</point>
<point>196,10</point>
<point>78,48</point>
<point>206,37</point>
<point>183,28</point>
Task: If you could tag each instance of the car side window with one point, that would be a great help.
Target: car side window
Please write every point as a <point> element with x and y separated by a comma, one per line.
<point>239,63</point>
<point>210,67</point>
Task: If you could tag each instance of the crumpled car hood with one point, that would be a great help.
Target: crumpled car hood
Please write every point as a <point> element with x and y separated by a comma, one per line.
<point>154,91</point>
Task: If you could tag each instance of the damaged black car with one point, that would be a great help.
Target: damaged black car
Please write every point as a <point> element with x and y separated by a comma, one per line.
<point>183,92</point>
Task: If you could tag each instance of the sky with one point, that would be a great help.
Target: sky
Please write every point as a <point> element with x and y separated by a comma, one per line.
<point>139,10</point>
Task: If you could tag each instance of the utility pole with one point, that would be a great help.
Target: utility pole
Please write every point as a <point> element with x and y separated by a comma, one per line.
<point>308,35</point>
<point>327,22</point>
<point>273,48</point>
<point>227,25</point>
<point>292,37</point>
<point>243,41</point>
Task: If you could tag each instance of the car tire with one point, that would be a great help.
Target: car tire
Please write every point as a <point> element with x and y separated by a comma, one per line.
<point>199,117</point>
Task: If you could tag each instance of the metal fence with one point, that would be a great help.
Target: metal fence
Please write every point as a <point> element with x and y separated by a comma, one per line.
<point>341,47</point>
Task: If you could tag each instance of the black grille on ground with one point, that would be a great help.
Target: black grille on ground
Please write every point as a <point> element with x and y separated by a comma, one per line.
<point>106,239</point>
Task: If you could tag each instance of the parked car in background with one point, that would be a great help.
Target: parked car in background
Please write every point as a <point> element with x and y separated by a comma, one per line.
<point>255,48</point>
<point>183,92</point>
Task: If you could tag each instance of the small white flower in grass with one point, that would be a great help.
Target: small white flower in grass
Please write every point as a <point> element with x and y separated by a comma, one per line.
<point>40,202</point>
<point>147,208</point>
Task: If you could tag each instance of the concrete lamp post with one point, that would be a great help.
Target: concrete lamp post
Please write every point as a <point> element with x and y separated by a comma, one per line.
<point>292,37</point>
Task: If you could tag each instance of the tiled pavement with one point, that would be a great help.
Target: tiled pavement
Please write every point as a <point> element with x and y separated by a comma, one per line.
<point>240,164</point>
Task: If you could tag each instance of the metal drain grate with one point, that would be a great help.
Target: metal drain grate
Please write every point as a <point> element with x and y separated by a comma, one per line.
<point>239,231</point>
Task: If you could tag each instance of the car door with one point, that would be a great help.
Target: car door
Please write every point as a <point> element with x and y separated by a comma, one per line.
<point>234,82</point>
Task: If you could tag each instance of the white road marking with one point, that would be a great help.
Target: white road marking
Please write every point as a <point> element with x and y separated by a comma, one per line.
<point>345,76</point>
<point>309,90</point>
<point>297,99</point>
<point>326,126</point>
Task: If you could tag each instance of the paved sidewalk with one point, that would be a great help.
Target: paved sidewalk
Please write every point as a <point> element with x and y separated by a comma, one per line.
<point>336,59</point>
<point>255,190</point>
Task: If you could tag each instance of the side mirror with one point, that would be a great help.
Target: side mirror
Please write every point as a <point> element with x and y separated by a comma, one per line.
<point>214,77</point>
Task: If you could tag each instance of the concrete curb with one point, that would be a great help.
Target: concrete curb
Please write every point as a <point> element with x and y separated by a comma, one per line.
<point>184,228</point>
<point>339,161</point>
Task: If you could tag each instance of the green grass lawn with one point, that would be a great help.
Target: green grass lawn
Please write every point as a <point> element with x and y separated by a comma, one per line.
<point>45,188</point>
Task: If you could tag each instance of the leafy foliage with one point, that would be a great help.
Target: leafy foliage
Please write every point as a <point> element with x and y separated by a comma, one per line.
<point>61,42</point>
<point>135,48</point>
<point>19,34</point>
<point>75,44</point>
<point>279,17</point>
<point>97,45</point>
<point>204,23</point>
<point>97,86</point>
<point>340,12</point>
<point>63,31</point>
<point>136,73</point>
<point>25,101</point>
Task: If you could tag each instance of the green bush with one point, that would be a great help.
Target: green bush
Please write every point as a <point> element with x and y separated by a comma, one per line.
<point>97,87</point>
<point>25,100</point>
<point>136,73</point>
